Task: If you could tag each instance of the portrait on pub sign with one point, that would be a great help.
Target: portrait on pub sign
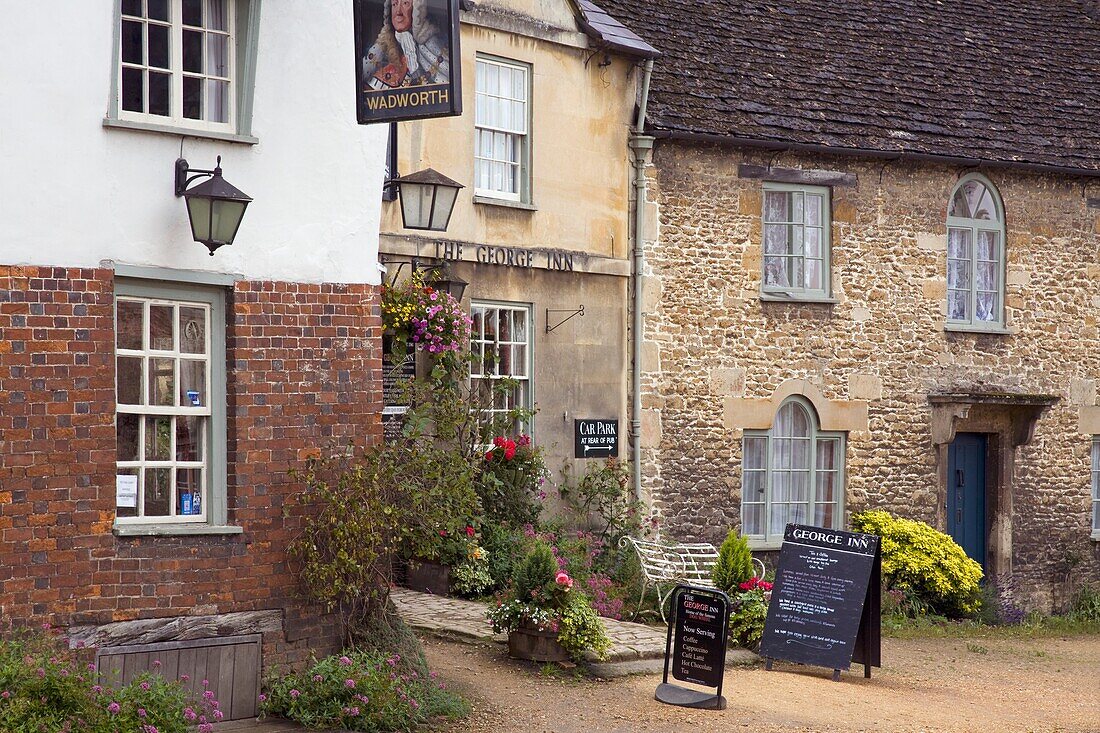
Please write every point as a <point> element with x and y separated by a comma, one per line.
<point>407,58</point>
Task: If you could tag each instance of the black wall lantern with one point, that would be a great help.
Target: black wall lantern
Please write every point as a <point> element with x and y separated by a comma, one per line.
<point>214,207</point>
<point>442,278</point>
<point>427,199</point>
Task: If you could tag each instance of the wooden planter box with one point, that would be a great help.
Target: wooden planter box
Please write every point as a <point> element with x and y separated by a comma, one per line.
<point>429,577</point>
<point>536,646</point>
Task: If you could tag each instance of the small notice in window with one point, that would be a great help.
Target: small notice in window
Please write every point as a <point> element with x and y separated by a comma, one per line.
<point>126,491</point>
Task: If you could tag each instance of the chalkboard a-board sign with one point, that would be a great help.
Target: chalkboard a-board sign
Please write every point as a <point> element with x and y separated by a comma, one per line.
<point>695,649</point>
<point>595,438</point>
<point>825,604</point>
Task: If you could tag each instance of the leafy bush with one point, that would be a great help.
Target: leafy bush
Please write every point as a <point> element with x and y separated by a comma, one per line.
<point>44,687</point>
<point>602,499</point>
<point>361,691</point>
<point>503,549</point>
<point>734,564</point>
<point>511,480</point>
<point>412,495</point>
<point>470,576</point>
<point>1086,605</point>
<point>920,560</point>
<point>535,575</point>
<point>547,598</point>
<point>748,612</point>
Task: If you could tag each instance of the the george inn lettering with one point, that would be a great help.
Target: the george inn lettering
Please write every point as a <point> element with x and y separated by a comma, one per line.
<point>488,254</point>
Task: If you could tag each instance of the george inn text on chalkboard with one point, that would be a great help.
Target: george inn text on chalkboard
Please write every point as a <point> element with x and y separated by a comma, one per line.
<point>595,438</point>
<point>825,605</point>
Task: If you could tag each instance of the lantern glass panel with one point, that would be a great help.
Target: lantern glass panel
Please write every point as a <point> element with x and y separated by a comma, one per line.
<point>225,219</point>
<point>198,210</point>
<point>444,202</point>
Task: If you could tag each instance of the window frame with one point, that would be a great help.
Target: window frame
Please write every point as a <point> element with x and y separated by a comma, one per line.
<point>773,292</point>
<point>529,380</point>
<point>774,541</point>
<point>524,194</point>
<point>1094,505</point>
<point>216,438</point>
<point>975,227</point>
<point>245,22</point>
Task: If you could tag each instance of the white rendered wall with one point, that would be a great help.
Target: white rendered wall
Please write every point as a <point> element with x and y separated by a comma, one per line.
<point>74,193</point>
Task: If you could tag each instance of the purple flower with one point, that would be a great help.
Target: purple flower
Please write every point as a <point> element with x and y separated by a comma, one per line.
<point>113,708</point>
<point>345,661</point>
<point>349,683</point>
<point>294,694</point>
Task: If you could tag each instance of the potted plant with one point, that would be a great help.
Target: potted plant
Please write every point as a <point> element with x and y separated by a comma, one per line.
<point>545,617</point>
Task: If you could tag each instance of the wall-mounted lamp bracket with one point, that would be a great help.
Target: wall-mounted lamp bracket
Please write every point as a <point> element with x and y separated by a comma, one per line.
<point>572,312</point>
<point>186,175</point>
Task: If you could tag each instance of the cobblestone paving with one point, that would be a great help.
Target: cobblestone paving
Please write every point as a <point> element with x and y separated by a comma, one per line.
<point>461,619</point>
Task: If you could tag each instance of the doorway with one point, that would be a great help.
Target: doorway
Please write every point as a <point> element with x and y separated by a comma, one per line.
<point>966,496</point>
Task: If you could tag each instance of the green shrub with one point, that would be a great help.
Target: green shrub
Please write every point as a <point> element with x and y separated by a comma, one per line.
<point>1086,605</point>
<point>44,687</point>
<point>734,564</point>
<point>603,499</point>
<point>535,573</point>
<point>580,628</point>
<point>504,546</point>
<point>923,562</point>
<point>511,480</point>
<point>748,612</point>
<point>361,691</point>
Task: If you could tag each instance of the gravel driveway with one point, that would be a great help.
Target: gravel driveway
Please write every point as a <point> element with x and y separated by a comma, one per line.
<point>996,685</point>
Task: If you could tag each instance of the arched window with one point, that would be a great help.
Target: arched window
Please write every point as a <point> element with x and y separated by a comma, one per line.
<point>975,255</point>
<point>791,473</point>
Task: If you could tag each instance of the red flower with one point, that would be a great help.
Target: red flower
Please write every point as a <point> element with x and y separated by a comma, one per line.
<point>489,456</point>
<point>498,441</point>
<point>469,531</point>
<point>442,533</point>
<point>509,452</point>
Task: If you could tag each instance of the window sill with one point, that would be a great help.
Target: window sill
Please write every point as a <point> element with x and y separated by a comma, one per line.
<point>783,298</point>
<point>967,328</point>
<point>1096,536</point>
<point>506,203</point>
<point>764,546</point>
<point>111,122</point>
<point>174,530</point>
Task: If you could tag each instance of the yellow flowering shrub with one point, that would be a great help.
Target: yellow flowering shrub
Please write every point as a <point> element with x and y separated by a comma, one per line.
<point>920,560</point>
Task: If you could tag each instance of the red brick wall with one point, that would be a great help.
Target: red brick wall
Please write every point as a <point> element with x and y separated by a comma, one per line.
<point>303,371</point>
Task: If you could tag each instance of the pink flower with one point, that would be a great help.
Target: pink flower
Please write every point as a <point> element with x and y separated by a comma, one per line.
<point>563,579</point>
<point>469,531</point>
<point>113,708</point>
<point>146,686</point>
<point>263,697</point>
<point>5,694</point>
<point>349,683</point>
<point>141,712</point>
<point>294,694</point>
<point>345,661</point>
<point>318,678</point>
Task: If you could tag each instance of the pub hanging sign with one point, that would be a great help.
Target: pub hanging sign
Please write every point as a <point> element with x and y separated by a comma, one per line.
<point>407,60</point>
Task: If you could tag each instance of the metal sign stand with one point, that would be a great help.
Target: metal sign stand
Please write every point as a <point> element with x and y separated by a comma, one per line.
<point>671,694</point>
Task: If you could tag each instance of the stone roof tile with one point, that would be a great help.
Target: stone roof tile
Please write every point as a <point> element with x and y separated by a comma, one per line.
<point>999,80</point>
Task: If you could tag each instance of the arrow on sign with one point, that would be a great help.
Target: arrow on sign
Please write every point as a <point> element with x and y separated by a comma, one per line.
<point>589,448</point>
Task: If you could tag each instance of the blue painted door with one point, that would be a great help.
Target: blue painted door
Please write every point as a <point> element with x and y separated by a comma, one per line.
<point>966,494</point>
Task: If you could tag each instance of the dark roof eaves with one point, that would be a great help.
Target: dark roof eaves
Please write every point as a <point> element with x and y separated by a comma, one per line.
<point>770,144</point>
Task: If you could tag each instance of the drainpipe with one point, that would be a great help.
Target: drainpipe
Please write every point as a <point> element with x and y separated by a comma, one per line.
<point>640,145</point>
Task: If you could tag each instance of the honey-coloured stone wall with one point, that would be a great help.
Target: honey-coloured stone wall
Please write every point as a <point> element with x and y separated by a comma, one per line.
<point>715,354</point>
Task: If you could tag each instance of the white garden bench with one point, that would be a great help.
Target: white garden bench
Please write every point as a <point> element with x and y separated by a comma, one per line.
<point>677,563</point>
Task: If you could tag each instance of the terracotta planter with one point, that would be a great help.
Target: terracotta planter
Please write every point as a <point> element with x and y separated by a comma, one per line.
<point>429,577</point>
<point>536,646</point>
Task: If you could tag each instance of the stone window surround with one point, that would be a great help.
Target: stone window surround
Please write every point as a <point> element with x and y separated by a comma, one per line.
<point>815,438</point>
<point>833,416</point>
<point>1009,421</point>
<point>1090,425</point>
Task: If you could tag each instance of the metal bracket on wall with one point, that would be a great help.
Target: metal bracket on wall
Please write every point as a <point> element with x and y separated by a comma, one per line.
<point>572,312</point>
